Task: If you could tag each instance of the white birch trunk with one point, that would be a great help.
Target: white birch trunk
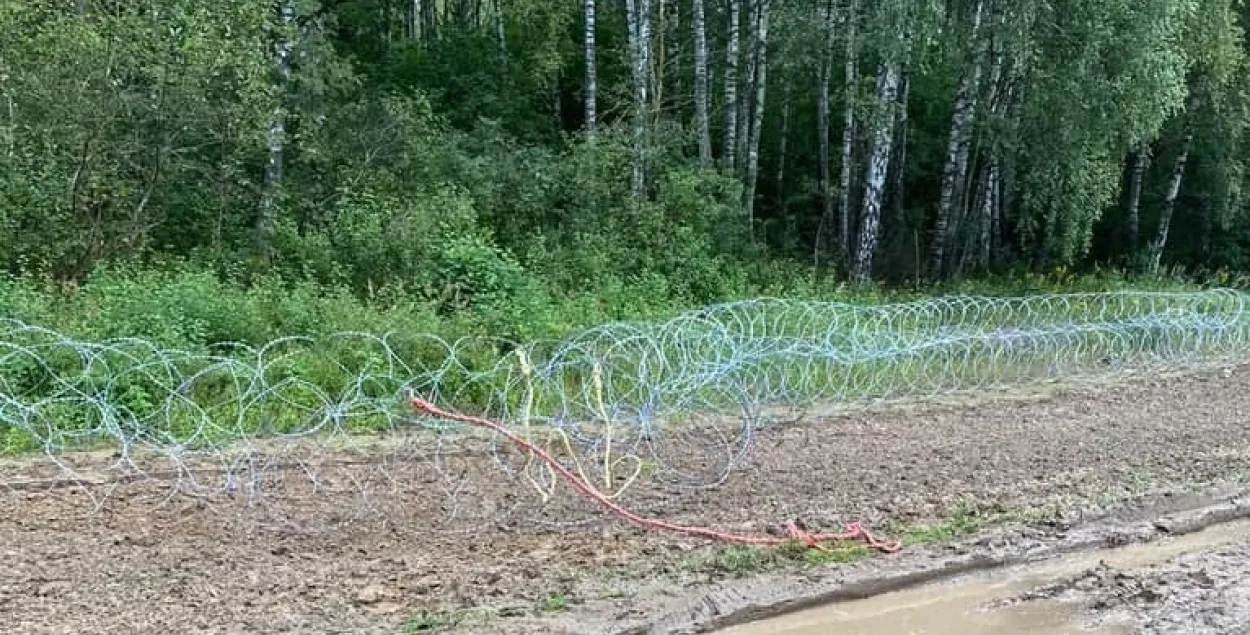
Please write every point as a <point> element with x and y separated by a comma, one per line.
<point>500,34</point>
<point>878,168</point>
<point>902,128</point>
<point>266,219</point>
<point>995,104</point>
<point>592,76</point>
<point>989,198</point>
<point>781,145</point>
<point>731,85</point>
<point>638,19</point>
<point>414,20</point>
<point>755,130</point>
<point>954,173</point>
<point>1169,204</point>
<point>1141,159</point>
<point>746,87</point>
<point>848,133</point>
<point>701,109</point>
<point>823,185</point>
<point>672,53</point>
<point>1007,159</point>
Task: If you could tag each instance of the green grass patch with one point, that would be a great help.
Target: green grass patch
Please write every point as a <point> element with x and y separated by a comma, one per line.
<point>443,621</point>
<point>555,603</point>
<point>965,522</point>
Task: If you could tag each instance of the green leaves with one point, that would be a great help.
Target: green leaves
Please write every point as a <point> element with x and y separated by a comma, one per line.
<point>114,115</point>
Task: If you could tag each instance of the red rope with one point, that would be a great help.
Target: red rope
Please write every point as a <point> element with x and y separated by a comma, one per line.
<point>855,531</point>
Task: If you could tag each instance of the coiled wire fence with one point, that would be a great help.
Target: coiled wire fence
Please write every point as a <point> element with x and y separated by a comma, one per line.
<point>675,404</point>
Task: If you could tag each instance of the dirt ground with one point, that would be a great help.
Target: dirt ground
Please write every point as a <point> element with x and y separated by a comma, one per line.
<point>1202,593</point>
<point>142,564</point>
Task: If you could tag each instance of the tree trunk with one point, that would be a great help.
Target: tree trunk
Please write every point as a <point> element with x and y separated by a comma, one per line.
<point>902,132</point>
<point>701,109</point>
<point>672,55</point>
<point>747,87</point>
<point>500,34</point>
<point>429,19</point>
<point>638,19</point>
<point>988,198</point>
<point>659,73</point>
<point>760,63</point>
<point>1013,97</point>
<point>592,79</point>
<point>954,174</point>
<point>414,20</point>
<point>731,86</point>
<point>848,133</point>
<point>878,167</point>
<point>996,102</point>
<point>1169,204</point>
<point>271,193</point>
<point>823,186</point>
<point>1208,223</point>
<point>554,95</point>
<point>781,145</point>
<point>1141,159</point>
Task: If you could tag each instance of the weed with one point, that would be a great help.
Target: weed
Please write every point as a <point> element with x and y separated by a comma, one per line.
<point>841,554</point>
<point>555,603</point>
<point>963,524</point>
<point>431,622</point>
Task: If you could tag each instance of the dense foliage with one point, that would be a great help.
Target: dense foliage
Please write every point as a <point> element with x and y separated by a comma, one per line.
<point>194,170</point>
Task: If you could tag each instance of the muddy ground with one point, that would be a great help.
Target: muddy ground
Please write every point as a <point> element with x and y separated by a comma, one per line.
<point>1201,593</point>
<point>139,563</point>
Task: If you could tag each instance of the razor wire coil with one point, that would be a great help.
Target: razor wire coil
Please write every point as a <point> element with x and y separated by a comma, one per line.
<point>618,390</point>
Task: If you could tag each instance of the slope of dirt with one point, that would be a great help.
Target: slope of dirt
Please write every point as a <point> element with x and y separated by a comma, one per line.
<point>139,564</point>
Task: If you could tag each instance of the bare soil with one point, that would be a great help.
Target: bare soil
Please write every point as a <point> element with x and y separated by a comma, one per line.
<point>320,561</point>
<point>1202,593</point>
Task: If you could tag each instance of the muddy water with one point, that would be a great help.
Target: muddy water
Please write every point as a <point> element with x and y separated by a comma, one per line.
<point>956,607</point>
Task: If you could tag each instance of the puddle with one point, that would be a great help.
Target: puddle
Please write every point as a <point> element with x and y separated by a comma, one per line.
<point>955,607</point>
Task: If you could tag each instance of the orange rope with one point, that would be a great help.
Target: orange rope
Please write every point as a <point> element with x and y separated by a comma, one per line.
<point>855,531</point>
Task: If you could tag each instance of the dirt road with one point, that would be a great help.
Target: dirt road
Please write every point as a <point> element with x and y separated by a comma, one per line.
<point>1192,583</point>
<point>207,567</point>
<point>1201,593</point>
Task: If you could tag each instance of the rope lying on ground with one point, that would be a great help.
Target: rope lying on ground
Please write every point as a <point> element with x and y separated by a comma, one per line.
<point>854,532</point>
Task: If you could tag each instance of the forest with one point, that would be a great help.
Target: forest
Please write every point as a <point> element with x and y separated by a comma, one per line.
<point>195,171</point>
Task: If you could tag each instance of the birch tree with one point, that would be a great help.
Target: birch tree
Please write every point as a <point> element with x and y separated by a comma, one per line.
<point>1157,245</point>
<point>501,34</point>
<point>746,87</point>
<point>955,171</point>
<point>731,85</point>
<point>592,80</point>
<point>823,186</point>
<point>414,14</point>
<point>1141,160</point>
<point>671,81</point>
<point>851,99</point>
<point>783,139</point>
<point>701,107</point>
<point>760,82</point>
<point>271,194</point>
<point>638,21</point>
<point>885,117</point>
<point>996,101</point>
